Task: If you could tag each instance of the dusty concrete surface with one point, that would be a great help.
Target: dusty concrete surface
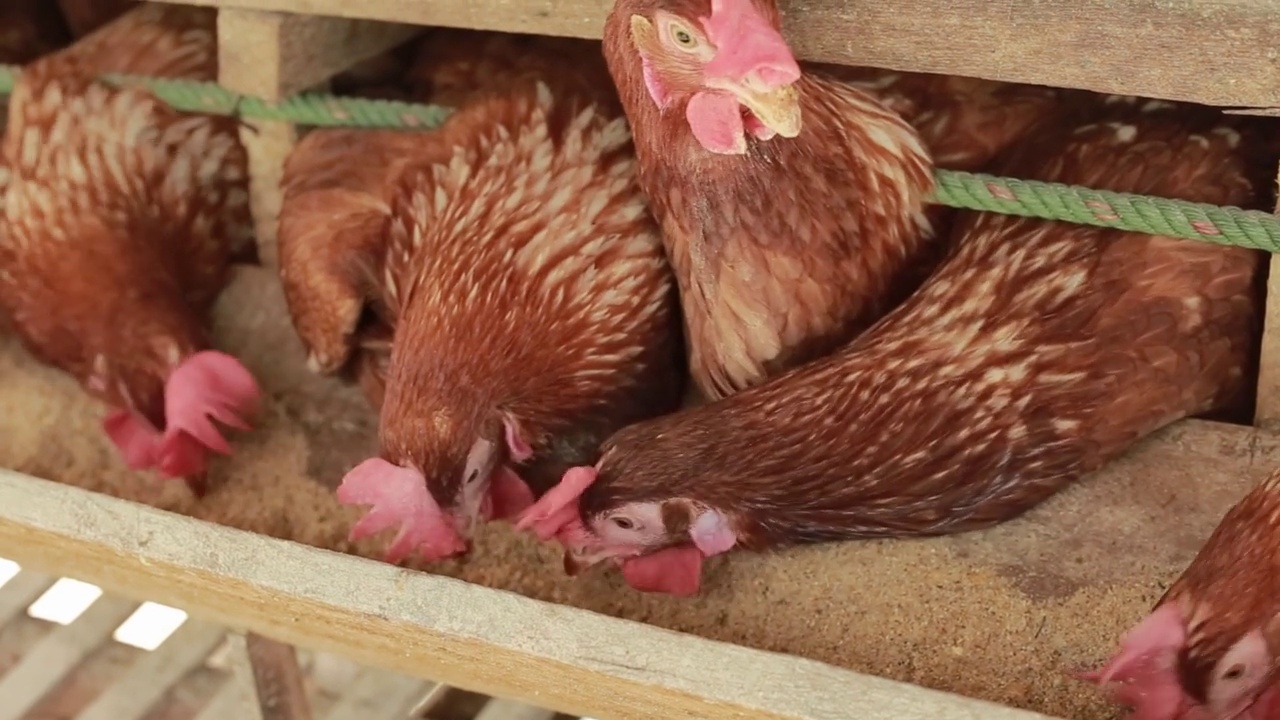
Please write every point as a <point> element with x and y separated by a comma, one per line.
<point>1002,615</point>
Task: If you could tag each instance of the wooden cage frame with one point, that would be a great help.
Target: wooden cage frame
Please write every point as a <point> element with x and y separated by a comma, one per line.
<point>560,657</point>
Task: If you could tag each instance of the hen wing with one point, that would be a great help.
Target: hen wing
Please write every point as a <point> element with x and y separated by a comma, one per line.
<point>332,236</point>
<point>1182,323</point>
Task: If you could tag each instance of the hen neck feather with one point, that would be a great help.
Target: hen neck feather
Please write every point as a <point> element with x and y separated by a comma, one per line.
<point>854,159</point>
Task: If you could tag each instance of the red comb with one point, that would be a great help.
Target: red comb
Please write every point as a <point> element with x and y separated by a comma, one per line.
<point>747,43</point>
<point>399,498</point>
<point>559,506</point>
<point>209,386</point>
<point>1143,673</point>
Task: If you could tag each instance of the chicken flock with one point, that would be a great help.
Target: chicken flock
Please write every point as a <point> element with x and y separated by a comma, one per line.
<point>530,294</point>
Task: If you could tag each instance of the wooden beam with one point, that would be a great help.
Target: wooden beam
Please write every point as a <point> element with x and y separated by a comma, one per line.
<point>272,55</point>
<point>1209,51</point>
<point>237,697</point>
<point>1267,408</point>
<point>466,635</point>
<point>281,689</point>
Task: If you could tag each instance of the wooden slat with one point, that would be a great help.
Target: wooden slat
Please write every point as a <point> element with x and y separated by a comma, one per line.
<point>271,55</point>
<point>155,673</point>
<point>1210,51</point>
<point>472,637</point>
<point>501,709</point>
<point>59,653</point>
<point>237,697</point>
<point>1267,409</point>
<point>281,689</point>
<point>21,590</point>
<point>378,694</point>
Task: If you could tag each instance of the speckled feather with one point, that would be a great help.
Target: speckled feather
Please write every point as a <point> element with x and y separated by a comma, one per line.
<point>335,180</point>
<point>964,122</point>
<point>119,208</point>
<point>1036,353</point>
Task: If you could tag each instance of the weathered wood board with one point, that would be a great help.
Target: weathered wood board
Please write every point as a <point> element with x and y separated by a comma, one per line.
<point>1217,52</point>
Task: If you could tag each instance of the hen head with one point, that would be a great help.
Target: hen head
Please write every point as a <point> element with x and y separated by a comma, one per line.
<point>166,403</point>
<point>659,537</point>
<point>1164,671</point>
<point>1208,651</point>
<point>437,479</point>
<point>723,63</point>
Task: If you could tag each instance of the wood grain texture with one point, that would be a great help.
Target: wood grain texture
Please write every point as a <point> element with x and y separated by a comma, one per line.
<point>466,635</point>
<point>1267,408</point>
<point>1218,52</point>
<point>272,55</point>
<point>279,682</point>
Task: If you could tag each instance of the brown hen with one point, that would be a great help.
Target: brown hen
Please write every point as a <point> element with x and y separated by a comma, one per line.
<point>792,204</point>
<point>1037,352</point>
<point>512,259</point>
<point>1208,650</point>
<point>121,219</point>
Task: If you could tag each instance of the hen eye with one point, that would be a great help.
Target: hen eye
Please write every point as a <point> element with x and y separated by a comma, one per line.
<point>683,37</point>
<point>624,522</point>
<point>1235,672</point>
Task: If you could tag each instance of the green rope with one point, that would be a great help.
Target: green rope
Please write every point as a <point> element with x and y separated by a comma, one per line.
<point>971,191</point>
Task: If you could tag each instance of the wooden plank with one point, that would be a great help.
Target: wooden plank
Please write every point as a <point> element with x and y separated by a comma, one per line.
<point>502,709</point>
<point>22,589</point>
<point>272,55</point>
<point>281,689</point>
<point>155,673</point>
<point>378,694</point>
<point>1267,408</point>
<point>237,697</point>
<point>58,654</point>
<point>1210,51</point>
<point>490,641</point>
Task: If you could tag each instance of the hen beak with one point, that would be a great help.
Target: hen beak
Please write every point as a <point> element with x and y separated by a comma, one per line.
<point>777,108</point>
<point>580,559</point>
